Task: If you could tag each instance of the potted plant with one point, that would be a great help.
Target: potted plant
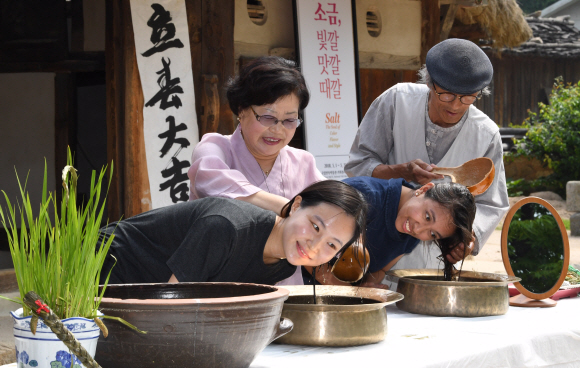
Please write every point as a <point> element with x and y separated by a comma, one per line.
<point>58,255</point>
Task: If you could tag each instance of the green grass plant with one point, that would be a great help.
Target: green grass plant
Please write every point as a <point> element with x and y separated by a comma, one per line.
<point>59,259</point>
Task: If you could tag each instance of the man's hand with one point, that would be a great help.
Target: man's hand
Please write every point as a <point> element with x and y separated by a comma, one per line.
<point>457,255</point>
<point>416,170</point>
<point>420,172</point>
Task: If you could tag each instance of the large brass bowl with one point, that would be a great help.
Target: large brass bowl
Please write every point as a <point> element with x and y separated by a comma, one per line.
<point>343,315</point>
<point>475,294</point>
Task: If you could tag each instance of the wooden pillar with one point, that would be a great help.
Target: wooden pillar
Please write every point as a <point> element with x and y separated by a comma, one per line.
<point>194,23</point>
<point>114,88</point>
<point>129,193</point>
<point>211,34</point>
<point>218,55</point>
<point>430,26</point>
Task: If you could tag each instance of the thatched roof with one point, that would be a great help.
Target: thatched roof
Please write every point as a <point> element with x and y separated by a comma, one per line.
<point>502,20</point>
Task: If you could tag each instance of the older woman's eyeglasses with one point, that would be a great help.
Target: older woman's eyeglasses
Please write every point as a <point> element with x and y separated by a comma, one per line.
<point>448,97</point>
<point>270,121</point>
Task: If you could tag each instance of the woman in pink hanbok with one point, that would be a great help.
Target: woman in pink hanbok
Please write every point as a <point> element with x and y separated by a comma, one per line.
<point>255,163</point>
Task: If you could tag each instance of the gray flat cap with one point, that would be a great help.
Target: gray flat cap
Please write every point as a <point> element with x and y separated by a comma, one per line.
<point>459,66</point>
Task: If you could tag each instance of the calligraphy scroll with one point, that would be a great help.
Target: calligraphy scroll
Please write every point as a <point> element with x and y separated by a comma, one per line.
<point>169,118</point>
<point>327,60</point>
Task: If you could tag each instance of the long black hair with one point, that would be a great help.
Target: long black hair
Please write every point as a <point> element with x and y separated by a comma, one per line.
<point>460,203</point>
<point>340,194</point>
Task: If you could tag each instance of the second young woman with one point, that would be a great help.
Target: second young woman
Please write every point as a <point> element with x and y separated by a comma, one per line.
<point>399,217</point>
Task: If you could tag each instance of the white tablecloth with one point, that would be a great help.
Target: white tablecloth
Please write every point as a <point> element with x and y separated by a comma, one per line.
<point>524,337</point>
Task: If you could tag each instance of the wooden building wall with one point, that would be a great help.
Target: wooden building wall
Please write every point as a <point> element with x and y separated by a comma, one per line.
<point>520,82</point>
<point>374,82</point>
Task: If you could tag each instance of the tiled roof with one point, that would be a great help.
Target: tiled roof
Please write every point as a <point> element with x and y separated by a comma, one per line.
<point>553,37</point>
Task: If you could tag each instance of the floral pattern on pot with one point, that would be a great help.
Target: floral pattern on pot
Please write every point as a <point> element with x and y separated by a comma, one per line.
<point>44,349</point>
<point>22,359</point>
<point>63,360</point>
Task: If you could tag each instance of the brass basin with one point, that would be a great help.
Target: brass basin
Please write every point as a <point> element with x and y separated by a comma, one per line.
<point>343,315</point>
<point>476,294</point>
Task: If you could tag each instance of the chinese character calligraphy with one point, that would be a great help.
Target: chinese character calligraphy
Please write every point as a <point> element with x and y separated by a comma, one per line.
<point>169,87</point>
<point>169,119</point>
<point>171,134</point>
<point>178,190</point>
<point>162,31</point>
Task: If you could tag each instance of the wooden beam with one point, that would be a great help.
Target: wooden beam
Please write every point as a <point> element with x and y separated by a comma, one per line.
<point>371,60</point>
<point>471,32</point>
<point>430,26</point>
<point>448,22</point>
<point>66,66</point>
<point>464,3</point>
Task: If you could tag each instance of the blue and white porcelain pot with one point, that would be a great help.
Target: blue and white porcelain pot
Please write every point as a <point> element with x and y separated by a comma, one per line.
<point>45,350</point>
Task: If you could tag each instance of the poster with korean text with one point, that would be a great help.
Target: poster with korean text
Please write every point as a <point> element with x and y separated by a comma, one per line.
<point>169,117</point>
<point>327,60</point>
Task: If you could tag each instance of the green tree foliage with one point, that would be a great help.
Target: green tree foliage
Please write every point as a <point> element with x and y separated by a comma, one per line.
<point>553,136</point>
<point>530,6</point>
<point>535,247</point>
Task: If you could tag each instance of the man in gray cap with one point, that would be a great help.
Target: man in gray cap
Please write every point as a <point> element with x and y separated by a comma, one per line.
<point>411,127</point>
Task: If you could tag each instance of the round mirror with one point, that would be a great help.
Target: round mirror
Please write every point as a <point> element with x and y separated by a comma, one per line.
<point>534,246</point>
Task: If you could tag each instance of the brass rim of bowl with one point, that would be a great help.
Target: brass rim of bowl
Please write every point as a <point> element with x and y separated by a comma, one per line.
<point>491,279</point>
<point>382,297</point>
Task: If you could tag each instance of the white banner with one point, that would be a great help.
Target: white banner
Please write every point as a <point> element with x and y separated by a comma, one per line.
<point>325,34</point>
<point>169,118</point>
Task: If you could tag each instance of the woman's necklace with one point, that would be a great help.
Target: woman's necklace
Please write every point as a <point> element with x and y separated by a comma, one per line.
<point>267,172</point>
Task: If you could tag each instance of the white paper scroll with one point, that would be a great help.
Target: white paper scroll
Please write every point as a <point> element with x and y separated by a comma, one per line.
<point>325,33</point>
<point>169,118</point>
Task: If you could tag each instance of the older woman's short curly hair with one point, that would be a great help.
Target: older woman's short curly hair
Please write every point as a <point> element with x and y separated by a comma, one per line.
<point>264,81</point>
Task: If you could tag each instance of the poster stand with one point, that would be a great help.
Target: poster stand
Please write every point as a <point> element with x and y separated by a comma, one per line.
<point>327,53</point>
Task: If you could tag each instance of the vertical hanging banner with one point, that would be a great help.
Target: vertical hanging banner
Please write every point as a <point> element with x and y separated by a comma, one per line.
<point>169,118</point>
<point>327,60</point>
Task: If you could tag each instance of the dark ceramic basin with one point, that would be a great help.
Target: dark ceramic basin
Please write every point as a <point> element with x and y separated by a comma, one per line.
<point>190,324</point>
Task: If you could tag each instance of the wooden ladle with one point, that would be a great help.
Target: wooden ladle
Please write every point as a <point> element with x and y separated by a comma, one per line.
<point>353,264</point>
<point>477,174</point>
